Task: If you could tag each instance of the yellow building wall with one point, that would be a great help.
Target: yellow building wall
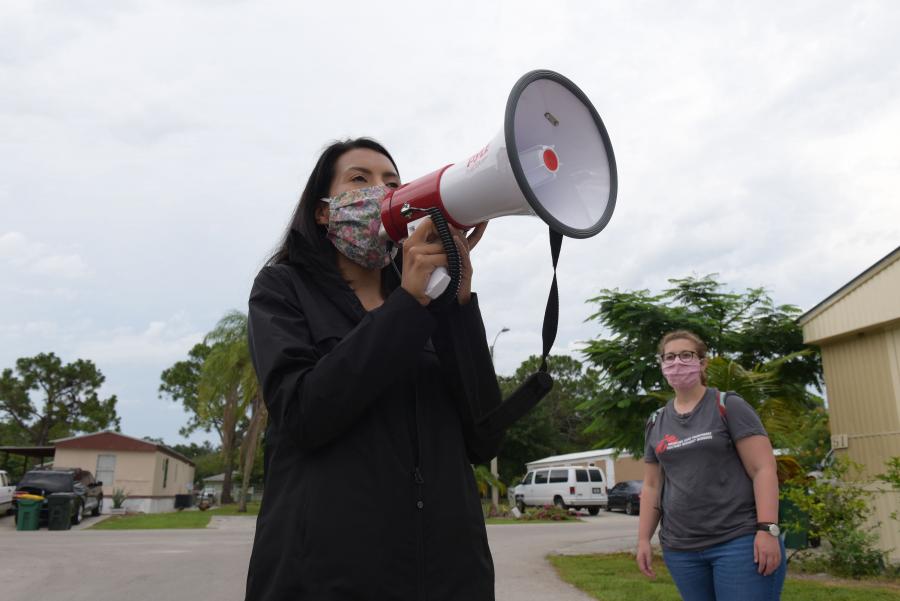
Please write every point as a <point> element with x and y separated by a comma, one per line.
<point>862,374</point>
<point>871,304</point>
<point>134,470</point>
<point>884,503</point>
<point>629,468</point>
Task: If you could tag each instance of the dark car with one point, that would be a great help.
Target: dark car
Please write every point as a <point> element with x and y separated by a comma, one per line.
<point>625,495</point>
<point>88,492</point>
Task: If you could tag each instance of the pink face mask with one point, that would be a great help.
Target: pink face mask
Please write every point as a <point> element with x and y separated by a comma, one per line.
<point>682,375</point>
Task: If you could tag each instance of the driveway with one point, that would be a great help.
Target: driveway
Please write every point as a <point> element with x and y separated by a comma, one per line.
<point>519,552</point>
<point>136,565</point>
<point>149,565</point>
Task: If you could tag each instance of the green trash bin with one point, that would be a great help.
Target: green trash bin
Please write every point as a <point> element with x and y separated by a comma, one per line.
<point>794,538</point>
<point>28,514</point>
<point>59,510</point>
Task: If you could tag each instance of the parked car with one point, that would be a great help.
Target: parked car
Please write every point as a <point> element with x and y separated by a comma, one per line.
<point>626,495</point>
<point>74,480</point>
<point>565,487</point>
<point>206,498</point>
<point>6,493</point>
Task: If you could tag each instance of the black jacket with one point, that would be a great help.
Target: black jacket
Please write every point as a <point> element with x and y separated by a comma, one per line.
<point>369,490</point>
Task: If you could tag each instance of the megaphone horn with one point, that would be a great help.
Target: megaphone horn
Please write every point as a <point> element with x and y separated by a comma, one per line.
<point>552,158</point>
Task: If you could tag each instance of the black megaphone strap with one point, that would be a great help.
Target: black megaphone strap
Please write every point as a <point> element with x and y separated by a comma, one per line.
<point>551,313</point>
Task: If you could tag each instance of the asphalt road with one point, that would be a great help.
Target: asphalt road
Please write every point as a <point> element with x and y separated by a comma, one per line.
<point>153,565</point>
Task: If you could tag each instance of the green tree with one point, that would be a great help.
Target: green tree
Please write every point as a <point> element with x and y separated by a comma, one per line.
<point>44,399</point>
<point>756,349</point>
<point>556,425</point>
<point>193,450</point>
<point>12,435</point>
<point>206,465</point>
<point>217,386</point>
<point>181,383</point>
<point>807,437</point>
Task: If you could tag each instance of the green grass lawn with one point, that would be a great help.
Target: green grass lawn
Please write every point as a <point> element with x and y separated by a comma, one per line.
<point>615,577</point>
<point>176,519</point>
<point>231,509</point>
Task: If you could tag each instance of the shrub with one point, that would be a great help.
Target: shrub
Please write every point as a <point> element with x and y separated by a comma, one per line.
<point>547,512</point>
<point>118,497</point>
<point>501,511</point>
<point>892,477</point>
<point>838,508</point>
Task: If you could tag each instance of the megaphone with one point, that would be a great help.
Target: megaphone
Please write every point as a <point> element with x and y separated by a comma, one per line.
<point>552,158</point>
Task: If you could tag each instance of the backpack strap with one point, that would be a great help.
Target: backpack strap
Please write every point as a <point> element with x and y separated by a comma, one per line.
<point>722,396</point>
<point>662,476</point>
<point>653,417</point>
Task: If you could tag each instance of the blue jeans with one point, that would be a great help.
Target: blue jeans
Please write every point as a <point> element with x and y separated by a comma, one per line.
<point>724,572</point>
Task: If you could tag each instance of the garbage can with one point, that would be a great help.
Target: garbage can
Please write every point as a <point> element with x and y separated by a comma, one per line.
<point>59,509</point>
<point>28,512</point>
<point>182,501</point>
<point>794,537</point>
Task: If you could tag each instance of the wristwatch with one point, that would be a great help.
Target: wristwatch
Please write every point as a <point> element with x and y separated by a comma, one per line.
<point>769,527</point>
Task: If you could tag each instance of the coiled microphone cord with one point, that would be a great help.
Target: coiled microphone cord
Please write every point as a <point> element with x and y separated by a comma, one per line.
<point>454,261</point>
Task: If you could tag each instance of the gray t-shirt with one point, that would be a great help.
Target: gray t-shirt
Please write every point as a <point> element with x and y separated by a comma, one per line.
<point>707,496</point>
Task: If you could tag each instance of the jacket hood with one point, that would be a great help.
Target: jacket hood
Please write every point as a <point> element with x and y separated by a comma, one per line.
<point>317,261</point>
<point>320,266</point>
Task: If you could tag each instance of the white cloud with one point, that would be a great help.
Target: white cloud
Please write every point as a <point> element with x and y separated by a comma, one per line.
<point>70,267</point>
<point>153,151</point>
<point>42,329</point>
<point>157,343</point>
<point>31,257</point>
<point>16,248</point>
<point>57,293</point>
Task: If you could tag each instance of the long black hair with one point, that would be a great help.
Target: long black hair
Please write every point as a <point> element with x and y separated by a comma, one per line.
<point>303,221</point>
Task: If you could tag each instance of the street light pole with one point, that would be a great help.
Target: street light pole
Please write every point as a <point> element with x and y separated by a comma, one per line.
<point>495,341</point>
<point>495,494</point>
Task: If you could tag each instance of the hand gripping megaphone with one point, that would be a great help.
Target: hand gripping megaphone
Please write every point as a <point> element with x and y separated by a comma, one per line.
<point>552,159</point>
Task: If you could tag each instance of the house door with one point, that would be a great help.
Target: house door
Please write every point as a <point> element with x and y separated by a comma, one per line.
<point>106,470</point>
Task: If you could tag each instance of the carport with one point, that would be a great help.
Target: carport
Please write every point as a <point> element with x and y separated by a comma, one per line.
<point>26,452</point>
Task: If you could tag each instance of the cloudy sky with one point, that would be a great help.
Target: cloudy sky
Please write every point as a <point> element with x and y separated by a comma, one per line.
<point>151,154</point>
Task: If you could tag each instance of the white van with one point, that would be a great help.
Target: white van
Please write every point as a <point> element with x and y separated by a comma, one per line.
<point>566,486</point>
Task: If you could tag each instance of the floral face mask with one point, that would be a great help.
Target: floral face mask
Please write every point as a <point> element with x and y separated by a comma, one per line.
<point>354,219</point>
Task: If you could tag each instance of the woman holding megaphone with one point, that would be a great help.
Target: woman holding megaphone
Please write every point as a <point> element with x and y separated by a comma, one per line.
<point>373,397</point>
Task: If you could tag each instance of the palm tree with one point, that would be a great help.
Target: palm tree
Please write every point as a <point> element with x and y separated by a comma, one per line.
<point>484,479</point>
<point>780,406</point>
<point>228,388</point>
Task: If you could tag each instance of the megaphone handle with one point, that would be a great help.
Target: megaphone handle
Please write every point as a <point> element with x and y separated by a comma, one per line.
<point>437,282</point>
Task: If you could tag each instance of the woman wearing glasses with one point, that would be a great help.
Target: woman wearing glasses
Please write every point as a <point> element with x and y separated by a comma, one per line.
<point>710,479</point>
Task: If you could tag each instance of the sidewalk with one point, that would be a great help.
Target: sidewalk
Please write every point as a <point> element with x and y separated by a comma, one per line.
<point>148,565</point>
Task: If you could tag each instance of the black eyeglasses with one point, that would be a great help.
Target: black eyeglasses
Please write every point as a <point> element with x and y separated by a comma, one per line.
<point>683,356</point>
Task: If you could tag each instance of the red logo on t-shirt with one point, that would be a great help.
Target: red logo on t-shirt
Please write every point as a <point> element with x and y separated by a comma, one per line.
<point>664,443</point>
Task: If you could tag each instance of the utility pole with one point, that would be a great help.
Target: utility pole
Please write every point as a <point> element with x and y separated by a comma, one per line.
<point>495,494</point>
